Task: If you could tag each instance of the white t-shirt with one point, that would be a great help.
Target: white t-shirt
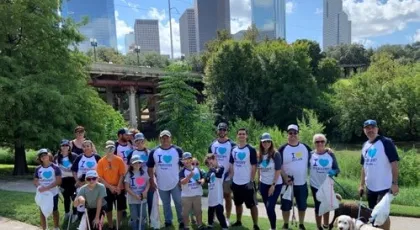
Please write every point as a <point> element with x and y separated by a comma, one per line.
<point>166,163</point>
<point>192,188</point>
<point>268,168</point>
<point>242,160</point>
<point>319,166</point>
<point>295,161</point>
<point>222,150</point>
<point>215,186</point>
<point>83,164</point>
<point>65,165</point>
<point>138,184</point>
<point>46,176</point>
<point>123,151</point>
<point>376,159</point>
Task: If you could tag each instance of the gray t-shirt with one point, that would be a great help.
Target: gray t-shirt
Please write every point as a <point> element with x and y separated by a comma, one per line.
<point>91,196</point>
<point>138,184</point>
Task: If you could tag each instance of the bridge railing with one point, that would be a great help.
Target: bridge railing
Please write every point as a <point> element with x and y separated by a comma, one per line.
<point>128,69</point>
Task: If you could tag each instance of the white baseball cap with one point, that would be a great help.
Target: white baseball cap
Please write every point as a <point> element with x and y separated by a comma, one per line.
<point>91,173</point>
<point>293,127</point>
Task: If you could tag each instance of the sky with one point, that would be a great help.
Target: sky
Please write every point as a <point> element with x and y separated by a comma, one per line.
<point>374,22</point>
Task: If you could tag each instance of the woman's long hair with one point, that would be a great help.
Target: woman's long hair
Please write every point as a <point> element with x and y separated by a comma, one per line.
<point>131,169</point>
<point>59,156</point>
<point>270,152</point>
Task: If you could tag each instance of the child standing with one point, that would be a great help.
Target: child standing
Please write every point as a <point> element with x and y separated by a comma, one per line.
<point>137,186</point>
<point>191,179</point>
<point>47,178</point>
<point>215,197</point>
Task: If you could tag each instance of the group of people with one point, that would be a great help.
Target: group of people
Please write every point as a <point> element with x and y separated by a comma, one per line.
<point>130,173</point>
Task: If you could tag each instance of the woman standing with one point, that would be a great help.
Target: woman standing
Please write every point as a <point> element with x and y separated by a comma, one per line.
<point>269,170</point>
<point>85,162</point>
<point>322,164</point>
<point>77,144</point>
<point>64,160</point>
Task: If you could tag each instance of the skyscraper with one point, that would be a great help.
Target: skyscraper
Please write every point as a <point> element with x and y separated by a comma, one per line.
<point>146,35</point>
<point>336,25</point>
<point>210,16</point>
<point>101,21</point>
<point>188,32</point>
<point>269,16</point>
<point>129,42</point>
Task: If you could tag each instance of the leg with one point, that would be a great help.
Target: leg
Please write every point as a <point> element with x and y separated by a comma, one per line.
<point>143,215</point>
<point>220,216</point>
<point>42,220</point>
<point>227,194</point>
<point>210,215</point>
<point>301,194</point>
<point>264,194</point>
<point>326,218</point>
<point>150,195</point>
<point>186,209</point>
<point>372,198</point>
<point>56,215</point>
<point>110,199</point>
<point>238,196</point>
<point>134,213</point>
<point>122,205</point>
<point>197,210</point>
<point>271,206</point>
<point>251,203</point>
<point>286,206</point>
<point>317,203</point>
<point>176,196</point>
<point>165,196</point>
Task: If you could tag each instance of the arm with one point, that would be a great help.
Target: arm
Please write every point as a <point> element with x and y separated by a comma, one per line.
<point>253,161</point>
<point>98,207</point>
<point>36,177</point>
<point>277,166</point>
<point>335,164</point>
<point>150,166</point>
<point>394,167</point>
<point>185,179</point>
<point>128,189</point>
<point>393,158</point>
<point>75,168</point>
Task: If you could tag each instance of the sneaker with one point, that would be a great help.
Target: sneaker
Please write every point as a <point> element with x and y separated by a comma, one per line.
<point>237,224</point>
<point>167,225</point>
<point>201,227</point>
<point>181,225</point>
<point>302,227</point>
<point>256,227</point>
<point>285,227</point>
<point>227,223</point>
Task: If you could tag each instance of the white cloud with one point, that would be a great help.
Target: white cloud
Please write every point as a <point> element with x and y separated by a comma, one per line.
<point>290,7</point>
<point>121,49</point>
<point>416,36</point>
<point>365,42</point>
<point>240,15</point>
<point>318,11</point>
<point>122,27</point>
<point>164,32</point>
<point>133,6</point>
<point>374,18</point>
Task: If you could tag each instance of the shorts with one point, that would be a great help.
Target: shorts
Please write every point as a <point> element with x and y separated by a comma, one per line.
<point>112,197</point>
<point>227,187</point>
<point>241,194</point>
<point>374,197</point>
<point>191,204</point>
<point>317,203</point>
<point>300,193</point>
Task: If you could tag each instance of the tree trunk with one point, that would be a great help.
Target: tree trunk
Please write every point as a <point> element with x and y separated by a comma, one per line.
<point>21,166</point>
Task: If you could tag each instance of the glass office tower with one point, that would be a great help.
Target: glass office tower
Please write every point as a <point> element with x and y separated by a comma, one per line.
<point>269,16</point>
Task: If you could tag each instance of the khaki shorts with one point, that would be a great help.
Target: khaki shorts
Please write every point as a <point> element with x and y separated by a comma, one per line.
<point>191,204</point>
<point>227,187</point>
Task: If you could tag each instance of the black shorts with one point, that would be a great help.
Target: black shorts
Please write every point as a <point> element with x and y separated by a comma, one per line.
<point>241,194</point>
<point>374,197</point>
<point>120,199</point>
<point>300,193</point>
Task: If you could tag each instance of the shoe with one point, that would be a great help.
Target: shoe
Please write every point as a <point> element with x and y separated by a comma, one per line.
<point>237,224</point>
<point>302,227</point>
<point>320,228</point>
<point>285,227</point>
<point>201,227</point>
<point>325,226</point>
<point>256,227</point>
<point>167,225</point>
<point>181,225</point>
<point>227,223</point>
<point>209,226</point>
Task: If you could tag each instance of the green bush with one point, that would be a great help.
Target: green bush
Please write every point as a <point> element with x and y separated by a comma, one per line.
<point>8,157</point>
<point>409,168</point>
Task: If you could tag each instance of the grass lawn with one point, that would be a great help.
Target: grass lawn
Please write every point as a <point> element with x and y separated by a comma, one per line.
<point>21,206</point>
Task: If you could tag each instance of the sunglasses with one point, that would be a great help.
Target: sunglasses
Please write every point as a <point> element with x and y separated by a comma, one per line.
<point>89,179</point>
<point>223,130</point>
<point>292,133</point>
<point>196,164</point>
<point>319,142</point>
<point>65,145</point>
<point>266,142</point>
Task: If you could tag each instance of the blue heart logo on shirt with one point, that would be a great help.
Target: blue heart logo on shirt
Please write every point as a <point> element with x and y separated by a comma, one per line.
<point>90,164</point>
<point>196,176</point>
<point>212,178</point>
<point>241,155</point>
<point>221,150</point>
<point>167,158</point>
<point>372,152</point>
<point>66,163</point>
<point>264,163</point>
<point>47,174</point>
<point>144,157</point>
<point>324,162</point>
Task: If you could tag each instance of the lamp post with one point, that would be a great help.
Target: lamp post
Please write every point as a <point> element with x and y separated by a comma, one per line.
<point>137,50</point>
<point>94,43</point>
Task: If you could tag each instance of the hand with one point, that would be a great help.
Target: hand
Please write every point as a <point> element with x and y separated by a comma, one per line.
<point>78,184</point>
<point>82,200</point>
<point>42,189</point>
<point>250,185</point>
<point>152,184</point>
<point>118,190</point>
<point>289,180</point>
<point>395,189</point>
<point>144,195</point>
<point>96,222</point>
<point>361,190</point>
<point>332,172</point>
<point>139,197</point>
<point>271,190</point>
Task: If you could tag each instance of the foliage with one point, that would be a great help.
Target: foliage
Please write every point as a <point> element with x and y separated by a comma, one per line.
<point>349,54</point>
<point>328,73</point>
<point>314,52</point>
<point>404,54</point>
<point>106,55</point>
<point>409,174</point>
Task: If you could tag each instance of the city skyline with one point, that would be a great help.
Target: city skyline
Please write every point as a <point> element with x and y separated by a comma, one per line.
<point>336,25</point>
<point>146,35</point>
<point>269,17</point>
<point>188,32</point>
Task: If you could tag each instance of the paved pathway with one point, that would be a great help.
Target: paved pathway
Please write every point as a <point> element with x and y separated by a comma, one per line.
<point>8,224</point>
<point>398,223</point>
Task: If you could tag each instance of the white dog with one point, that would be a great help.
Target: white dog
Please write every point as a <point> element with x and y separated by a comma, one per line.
<point>345,222</point>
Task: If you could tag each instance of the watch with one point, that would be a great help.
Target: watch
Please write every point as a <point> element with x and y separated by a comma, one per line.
<point>273,184</point>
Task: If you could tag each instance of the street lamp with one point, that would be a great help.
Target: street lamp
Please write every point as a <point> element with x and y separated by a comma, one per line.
<point>137,50</point>
<point>94,43</point>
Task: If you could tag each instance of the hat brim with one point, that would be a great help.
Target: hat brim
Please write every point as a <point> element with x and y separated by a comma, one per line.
<point>167,135</point>
<point>293,130</point>
<point>186,158</point>
<point>137,161</point>
<point>139,139</point>
<point>267,139</point>
<point>110,146</point>
<point>373,125</point>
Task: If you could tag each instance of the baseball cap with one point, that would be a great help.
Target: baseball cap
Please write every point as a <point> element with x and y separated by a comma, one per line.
<point>42,151</point>
<point>222,125</point>
<point>64,142</point>
<point>138,136</point>
<point>187,155</point>
<point>293,127</point>
<point>91,173</point>
<point>109,144</point>
<point>370,123</point>
<point>123,131</point>
<point>266,137</point>
<point>165,133</point>
<point>135,159</point>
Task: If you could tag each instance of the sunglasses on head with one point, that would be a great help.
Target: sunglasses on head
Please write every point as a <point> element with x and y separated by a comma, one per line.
<point>319,142</point>
<point>91,179</point>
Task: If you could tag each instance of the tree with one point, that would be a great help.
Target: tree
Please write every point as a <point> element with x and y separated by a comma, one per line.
<point>314,52</point>
<point>153,60</point>
<point>43,84</point>
<point>328,72</point>
<point>252,34</point>
<point>349,54</point>
<point>107,55</point>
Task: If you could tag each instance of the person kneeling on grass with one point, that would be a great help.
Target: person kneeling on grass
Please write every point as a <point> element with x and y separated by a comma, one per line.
<point>137,187</point>
<point>215,197</point>
<point>92,196</point>
<point>191,179</point>
<point>46,178</point>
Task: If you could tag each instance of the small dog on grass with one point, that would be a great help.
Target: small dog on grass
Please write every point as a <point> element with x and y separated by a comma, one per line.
<point>345,222</point>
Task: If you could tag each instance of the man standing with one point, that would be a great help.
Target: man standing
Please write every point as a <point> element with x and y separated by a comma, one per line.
<point>222,148</point>
<point>123,146</point>
<point>295,157</point>
<point>166,161</point>
<point>243,161</point>
<point>380,165</point>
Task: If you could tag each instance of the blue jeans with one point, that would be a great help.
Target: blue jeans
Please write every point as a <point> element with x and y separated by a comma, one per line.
<point>270,202</point>
<point>135,210</point>
<point>165,196</point>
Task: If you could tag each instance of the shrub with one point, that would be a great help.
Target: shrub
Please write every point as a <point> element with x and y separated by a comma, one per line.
<point>408,168</point>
